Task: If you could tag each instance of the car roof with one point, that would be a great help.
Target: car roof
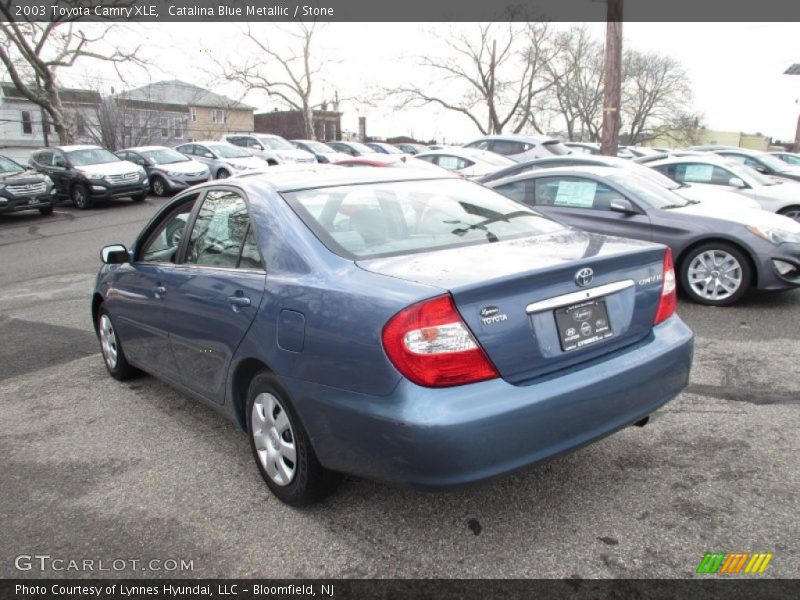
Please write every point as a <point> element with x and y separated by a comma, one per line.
<point>516,137</point>
<point>144,149</point>
<point>596,171</point>
<point>320,176</point>
<point>711,159</point>
<point>206,142</point>
<point>742,151</point>
<point>75,147</point>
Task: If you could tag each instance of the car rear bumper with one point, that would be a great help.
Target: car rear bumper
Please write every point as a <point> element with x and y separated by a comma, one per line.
<point>434,438</point>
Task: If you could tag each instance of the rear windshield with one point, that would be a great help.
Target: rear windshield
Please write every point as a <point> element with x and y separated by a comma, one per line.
<point>276,143</point>
<point>389,219</point>
<point>556,148</point>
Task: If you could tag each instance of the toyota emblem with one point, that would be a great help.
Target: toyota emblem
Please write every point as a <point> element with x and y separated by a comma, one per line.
<point>584,277</point>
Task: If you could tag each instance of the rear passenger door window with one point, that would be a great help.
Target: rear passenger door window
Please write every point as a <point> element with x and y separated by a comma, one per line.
<point>506,147</point>
<point>221,234</point>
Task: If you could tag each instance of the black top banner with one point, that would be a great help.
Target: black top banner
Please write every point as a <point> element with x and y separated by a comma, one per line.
<point>400,10</point>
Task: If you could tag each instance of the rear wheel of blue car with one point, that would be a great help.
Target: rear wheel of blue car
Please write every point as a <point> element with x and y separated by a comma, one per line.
<point>113,354</point>
<point>281,447</point>
<point>716,273</point>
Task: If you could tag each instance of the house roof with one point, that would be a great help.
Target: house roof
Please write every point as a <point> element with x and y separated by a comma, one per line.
<point>179,92</point>
<point>68,95</point>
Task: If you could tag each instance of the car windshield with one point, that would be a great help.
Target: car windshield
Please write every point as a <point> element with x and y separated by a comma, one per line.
<point>319,148</point>
<point>164,156</point>
<point>390,219</point>
<point>390,149</point>
<point>91,156</point>
<point>773,163</point>
<point>362,148</point>
<point>646,190</point>
<point>9,166</point>
<point>229,151</point>
<point>275,143</point>
<point>748,175</point>
<point>556,148</point>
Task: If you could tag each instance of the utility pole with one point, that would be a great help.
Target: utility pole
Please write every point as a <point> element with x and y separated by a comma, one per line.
<point>795,70</point>
<point>492,66</point>
<point>609,138</point>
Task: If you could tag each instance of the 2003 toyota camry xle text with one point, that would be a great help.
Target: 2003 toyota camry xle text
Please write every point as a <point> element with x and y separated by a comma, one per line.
<point>410,327</point>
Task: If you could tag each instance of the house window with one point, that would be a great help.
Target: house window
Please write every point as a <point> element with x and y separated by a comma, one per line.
<point>164,127</point>
<point>27,126</point>
<point>177,126</point>
<point>192,114</point>
<point>218,116</point>
<point>80,124</point>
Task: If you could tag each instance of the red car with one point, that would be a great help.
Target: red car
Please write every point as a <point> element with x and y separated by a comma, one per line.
<point>387,160</point>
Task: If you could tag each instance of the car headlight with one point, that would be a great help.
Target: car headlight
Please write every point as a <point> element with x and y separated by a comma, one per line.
<point>47,180</point>
<point>2,185</point>
<point>174,173</point>
<point>776,236</point>
<point>95,176</point>
<point>240,167</point>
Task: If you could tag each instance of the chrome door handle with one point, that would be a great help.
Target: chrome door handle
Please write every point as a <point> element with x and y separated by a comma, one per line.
<point>239,300</point>
<point>159,291</point>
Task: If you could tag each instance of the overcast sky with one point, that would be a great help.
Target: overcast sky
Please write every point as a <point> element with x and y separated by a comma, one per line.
<point>736,69</point>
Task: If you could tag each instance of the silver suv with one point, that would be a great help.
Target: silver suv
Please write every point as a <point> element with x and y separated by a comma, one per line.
<point>271,148</point>
<point>520,147</point>
<point>221,158</point>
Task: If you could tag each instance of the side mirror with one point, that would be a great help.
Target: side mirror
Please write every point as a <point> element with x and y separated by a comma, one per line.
<point>761,169</point>
<point>256,146</point>
<point>115,255</point>
<point>208,155</point>
<point>736,182</point>
<point>622,205</point>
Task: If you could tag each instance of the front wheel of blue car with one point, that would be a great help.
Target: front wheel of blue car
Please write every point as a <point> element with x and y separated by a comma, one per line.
<point>281,447</point>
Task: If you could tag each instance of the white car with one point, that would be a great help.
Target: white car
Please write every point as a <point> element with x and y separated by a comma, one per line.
<point>520,148</point>
<point>772,194</point>
<point>221,158</point>
<point>274,149</point>
<point>466,161</point>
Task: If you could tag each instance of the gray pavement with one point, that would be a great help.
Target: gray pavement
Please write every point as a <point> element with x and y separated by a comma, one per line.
<point>100,470</point>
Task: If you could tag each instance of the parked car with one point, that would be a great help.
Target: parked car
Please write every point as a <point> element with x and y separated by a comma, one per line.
<point>322,152</point>
<point>274,149</point>
<point>352,148</point>
<point>774,195</point>
<point>168,170</point>
<point>466,161</point>
<point>384,148</point>
<point>764,163</point>
<point>85,174</point>
<point>718,258</point>
<point>388,160</point>
<point>519,147</point>
<point>583,147</point>
<point>24,189</point>
<point>790,158</point>
<point>413,148</point>
<point>641,151</point>
<point>722,199</point>
<point>221,158</point>
<point>381,322</point>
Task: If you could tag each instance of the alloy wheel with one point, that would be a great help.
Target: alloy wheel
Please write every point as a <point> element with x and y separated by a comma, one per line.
<point>715,275</point>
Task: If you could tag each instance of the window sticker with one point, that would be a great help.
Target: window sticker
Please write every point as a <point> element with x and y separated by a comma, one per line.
<point>579,194</point>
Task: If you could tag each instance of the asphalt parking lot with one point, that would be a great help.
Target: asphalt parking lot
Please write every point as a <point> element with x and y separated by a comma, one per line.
<point>96,469</point>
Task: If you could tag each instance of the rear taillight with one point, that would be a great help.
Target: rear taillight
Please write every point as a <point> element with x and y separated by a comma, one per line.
<point>430,345</point>
<point>669,296</point>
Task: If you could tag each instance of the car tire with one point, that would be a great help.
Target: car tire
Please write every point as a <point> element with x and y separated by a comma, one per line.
<point>111,348</point>
<point>222,174</point>
<point>159,186</point>
<point>716,274</point>
<point>281,447</point>
<point>139,197</point>
<point>80,196</point>
<point>793,212</point>
<point>46,210</point>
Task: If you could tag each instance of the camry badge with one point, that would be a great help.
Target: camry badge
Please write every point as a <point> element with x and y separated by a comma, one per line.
<point>584,277</point>
<point>491,315</point>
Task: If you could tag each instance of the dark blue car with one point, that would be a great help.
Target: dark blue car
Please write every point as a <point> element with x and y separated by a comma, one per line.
<point>394,324</point>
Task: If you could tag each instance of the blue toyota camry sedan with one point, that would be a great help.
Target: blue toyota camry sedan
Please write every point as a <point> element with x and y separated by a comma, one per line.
<point>399,325</point>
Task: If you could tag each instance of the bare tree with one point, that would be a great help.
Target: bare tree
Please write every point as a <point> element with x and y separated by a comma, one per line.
<point>492,77</point>
<point>293,81</point>
<point>576,72</point>
<point>656,90</point>
<point>33,53</point>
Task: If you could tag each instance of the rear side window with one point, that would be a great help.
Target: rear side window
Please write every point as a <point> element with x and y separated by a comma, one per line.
<point>506,147</point>
<point>389,219</point>
<point>453,163</point>
<point>480,145</point>
<point>220,231</point>
<point>558,148</point>
<point>516,190</point>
